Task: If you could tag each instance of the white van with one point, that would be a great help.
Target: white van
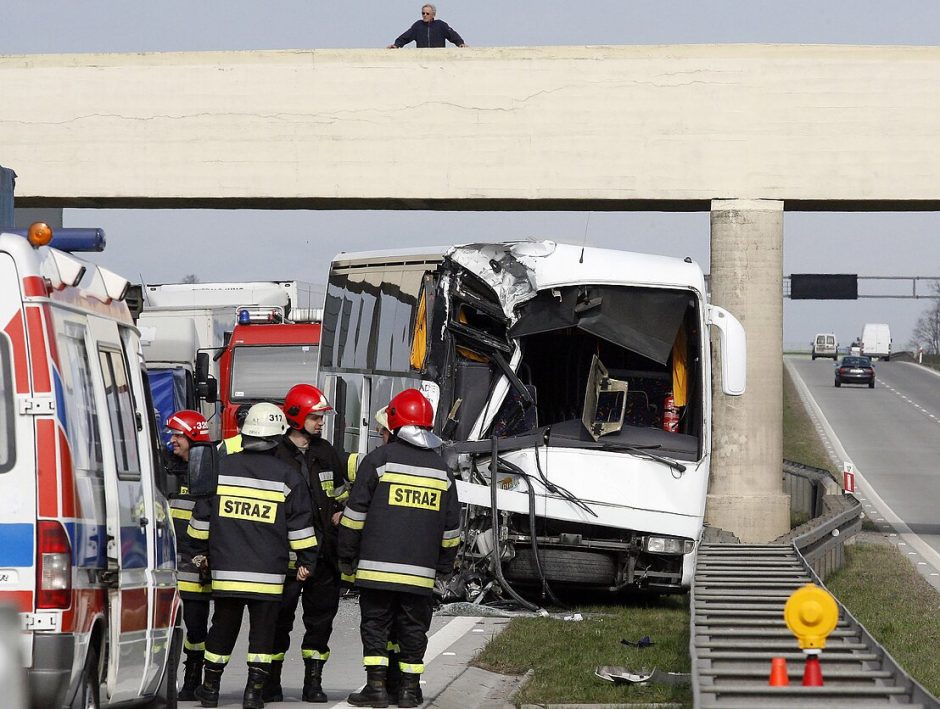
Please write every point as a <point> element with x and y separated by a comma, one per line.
<point>876,341</point>
<point>572,387</point>
<point>87,552</point>
<point>825,345</point>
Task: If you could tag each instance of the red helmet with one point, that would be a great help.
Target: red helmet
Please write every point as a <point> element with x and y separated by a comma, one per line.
<point>191,424</point>
<point>410,407</point>
<point>301,401</point>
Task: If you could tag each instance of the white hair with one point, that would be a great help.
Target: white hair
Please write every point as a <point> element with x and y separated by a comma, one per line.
<point>433,9</point>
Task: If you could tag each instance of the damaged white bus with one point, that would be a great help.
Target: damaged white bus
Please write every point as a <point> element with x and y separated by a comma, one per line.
<point>572,388</point>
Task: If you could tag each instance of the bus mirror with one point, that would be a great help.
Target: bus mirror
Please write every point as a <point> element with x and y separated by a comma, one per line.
<point>733,345</point>
<point>208,390</point>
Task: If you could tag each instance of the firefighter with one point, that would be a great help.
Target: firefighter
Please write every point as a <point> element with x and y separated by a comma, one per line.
<point>307,451</point>
<point>400,530</point>
<point>233,444</point>
<point>187,430</point>
<point>261,511</point>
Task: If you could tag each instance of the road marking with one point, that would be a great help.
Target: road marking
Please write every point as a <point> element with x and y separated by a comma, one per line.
<point>926,551</point>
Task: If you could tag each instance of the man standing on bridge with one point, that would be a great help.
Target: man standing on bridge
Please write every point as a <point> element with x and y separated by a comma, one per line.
<point>400,530</point>
<point>428,32</point>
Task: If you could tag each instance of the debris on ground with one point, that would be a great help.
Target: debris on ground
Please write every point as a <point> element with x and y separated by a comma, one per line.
<point>623,675</point>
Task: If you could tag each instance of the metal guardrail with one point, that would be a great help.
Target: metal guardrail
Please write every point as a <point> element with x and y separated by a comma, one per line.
<point>737,623</point>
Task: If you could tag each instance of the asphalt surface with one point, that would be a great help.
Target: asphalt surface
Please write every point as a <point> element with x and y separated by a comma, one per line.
<point>891,434</point>
<point>447,683</point>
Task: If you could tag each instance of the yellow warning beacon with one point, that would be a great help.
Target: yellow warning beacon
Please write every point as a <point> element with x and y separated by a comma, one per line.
<point>811,614</point>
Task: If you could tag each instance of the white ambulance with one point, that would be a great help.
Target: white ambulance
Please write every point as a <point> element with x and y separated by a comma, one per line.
<point>87,552</point>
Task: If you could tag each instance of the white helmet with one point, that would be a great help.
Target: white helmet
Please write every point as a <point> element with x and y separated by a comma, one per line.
<point>264,421</point>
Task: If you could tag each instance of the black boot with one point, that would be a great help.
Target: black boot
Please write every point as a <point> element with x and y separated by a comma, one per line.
<point>374,693</point>
<point>410,693</point>
<point>393,676</point>
<point>272,687</point>
<point>254,689</point>
<point>208,692</point>
<point>192,675</point>
<point>313,678</point>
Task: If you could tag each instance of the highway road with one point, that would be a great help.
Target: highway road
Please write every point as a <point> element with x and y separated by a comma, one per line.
<point>892,436</point>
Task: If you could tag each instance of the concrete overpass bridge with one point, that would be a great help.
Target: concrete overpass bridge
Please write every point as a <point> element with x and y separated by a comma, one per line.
<point>744,131</point>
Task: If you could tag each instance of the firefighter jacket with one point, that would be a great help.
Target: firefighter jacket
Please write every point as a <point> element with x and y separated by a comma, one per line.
<point>261,510</point>
<point>401,526</point>
<point>190,582</point>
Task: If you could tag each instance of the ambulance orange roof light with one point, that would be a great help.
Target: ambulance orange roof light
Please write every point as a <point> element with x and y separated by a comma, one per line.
<point>39,234</point>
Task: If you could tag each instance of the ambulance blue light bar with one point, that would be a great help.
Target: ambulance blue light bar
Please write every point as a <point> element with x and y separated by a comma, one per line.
<point>74,238</point>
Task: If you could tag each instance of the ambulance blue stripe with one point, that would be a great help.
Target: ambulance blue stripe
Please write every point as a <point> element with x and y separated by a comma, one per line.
<point>16,544</point>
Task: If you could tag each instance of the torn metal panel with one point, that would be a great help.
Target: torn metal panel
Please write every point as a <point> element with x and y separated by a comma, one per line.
<point>506,268</point>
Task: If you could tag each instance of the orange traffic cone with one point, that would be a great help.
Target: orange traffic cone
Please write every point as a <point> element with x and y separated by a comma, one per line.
<point>812,673</point>
<point>778,672</point>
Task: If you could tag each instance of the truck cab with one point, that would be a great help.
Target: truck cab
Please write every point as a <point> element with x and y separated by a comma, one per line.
<point>263,358</point>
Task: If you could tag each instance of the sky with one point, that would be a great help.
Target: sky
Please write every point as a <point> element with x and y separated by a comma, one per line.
<point>163,246</point>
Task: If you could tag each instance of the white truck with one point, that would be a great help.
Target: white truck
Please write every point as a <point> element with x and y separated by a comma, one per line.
<point>184,326</point>
<point>876,341</point>
<point>572,387</point>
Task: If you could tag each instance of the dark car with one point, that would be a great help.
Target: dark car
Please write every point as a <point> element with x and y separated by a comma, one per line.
<point>855,370</point>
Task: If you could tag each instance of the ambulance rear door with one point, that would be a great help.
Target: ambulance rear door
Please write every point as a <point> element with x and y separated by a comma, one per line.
<point>128,575</point>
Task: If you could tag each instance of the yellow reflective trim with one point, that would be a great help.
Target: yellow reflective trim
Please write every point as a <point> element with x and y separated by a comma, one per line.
<point>352,524</point>
<point>177,513</point>
<point>375,661</point>
<point>258,657</point>
<point>314,655</point>
<point>251,493</point>
<point>217,659</point>
<point>392,647</point>
<point>198,647</point>
<point>193,587</point>
<point>277,657</point>
<point>450,542</point>
<point>197,533</point>
<point>417,480</point>
<point>296,544</point>
<point>352,462</point>
<point>349,578</point>
<point>411,669</point>
<point>247,586</point>
<point>343,497</point>
<point>387,577</point>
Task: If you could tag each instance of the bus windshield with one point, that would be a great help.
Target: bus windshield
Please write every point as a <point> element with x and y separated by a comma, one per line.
<point>265,373</point>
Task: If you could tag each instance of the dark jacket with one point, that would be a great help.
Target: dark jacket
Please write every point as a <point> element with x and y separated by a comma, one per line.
<point>260,512</point>
<point>401,526</point>
<point>429,34</point>
<point>321,467</point>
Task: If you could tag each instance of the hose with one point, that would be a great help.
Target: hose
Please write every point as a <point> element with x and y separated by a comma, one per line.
<point>497,557</point>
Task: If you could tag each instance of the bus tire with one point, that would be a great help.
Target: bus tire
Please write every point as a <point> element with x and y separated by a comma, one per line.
<point>564,566</point>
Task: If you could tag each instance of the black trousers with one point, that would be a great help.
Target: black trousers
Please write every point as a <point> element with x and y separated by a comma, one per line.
<point>196,620</point>
<point>319,597</point>
<point>397,615</point>
<point>226,622</point>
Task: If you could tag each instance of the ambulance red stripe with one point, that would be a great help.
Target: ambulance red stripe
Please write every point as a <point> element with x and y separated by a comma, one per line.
<point>34,286</point>
<point>22,600</point>
<point>42,383</point>
<point>14,329</point>
<point>47,474</point>
<point>66,476</point>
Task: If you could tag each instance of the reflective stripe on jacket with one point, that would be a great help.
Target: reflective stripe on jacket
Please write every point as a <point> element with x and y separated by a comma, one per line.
<point>401,525</point>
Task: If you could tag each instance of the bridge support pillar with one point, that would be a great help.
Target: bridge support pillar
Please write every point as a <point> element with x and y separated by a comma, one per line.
<point>745,493</point>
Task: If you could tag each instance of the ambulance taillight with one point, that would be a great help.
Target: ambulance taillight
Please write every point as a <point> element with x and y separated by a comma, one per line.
<point>53,566</point>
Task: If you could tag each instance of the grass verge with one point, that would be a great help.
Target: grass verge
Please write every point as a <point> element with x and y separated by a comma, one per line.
<point>564,654</point>
<point>884,592</point>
